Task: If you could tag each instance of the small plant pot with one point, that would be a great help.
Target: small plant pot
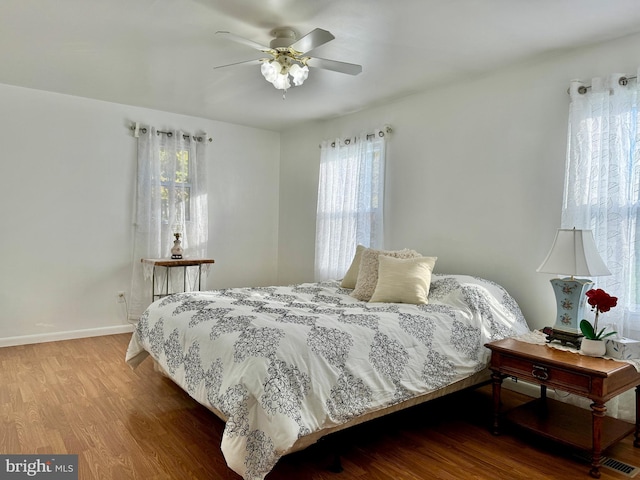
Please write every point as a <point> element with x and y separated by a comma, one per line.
<point>593,348</point>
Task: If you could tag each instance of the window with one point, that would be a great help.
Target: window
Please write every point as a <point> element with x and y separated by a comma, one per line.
<point>350,201</point>
<point>602,188</point>
<point>171,197</point>
<point>175,186</point>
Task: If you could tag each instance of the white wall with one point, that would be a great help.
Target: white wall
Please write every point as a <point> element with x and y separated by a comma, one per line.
<point>66,192</point>
<point>475,172</point>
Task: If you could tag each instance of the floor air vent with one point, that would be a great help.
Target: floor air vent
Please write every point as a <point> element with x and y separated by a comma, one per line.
<point>612,464</point>
<point>621,467</point>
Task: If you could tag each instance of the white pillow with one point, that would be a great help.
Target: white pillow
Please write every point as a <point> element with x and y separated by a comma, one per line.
<point>368,272</point>
<point>350,278</point>
<point>403,280</point>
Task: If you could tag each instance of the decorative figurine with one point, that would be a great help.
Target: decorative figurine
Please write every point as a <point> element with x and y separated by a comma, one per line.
<point>176,250</point>
<point>563,337</point>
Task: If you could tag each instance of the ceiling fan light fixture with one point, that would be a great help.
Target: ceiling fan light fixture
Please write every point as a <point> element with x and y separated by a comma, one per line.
<point>290,54</point>
<point>277,72</point>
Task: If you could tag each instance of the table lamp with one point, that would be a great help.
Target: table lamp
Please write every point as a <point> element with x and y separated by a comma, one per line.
<point>573,253</point>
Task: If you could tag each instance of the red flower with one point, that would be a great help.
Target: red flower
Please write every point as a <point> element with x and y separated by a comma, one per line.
<point>600,300</point>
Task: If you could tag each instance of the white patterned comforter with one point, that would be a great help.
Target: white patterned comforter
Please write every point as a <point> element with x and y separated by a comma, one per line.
<point>282,362</point>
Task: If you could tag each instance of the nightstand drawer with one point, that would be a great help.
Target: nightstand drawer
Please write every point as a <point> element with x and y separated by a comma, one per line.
<point>545,374</point>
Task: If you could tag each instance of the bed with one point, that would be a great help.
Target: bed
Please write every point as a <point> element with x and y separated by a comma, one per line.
<point>285,365</point>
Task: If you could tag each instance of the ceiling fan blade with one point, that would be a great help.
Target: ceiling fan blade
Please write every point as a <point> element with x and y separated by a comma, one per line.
<point>246,62</point>
<point>244,41</point>
<point>334,65</point>
<point>312,40</point>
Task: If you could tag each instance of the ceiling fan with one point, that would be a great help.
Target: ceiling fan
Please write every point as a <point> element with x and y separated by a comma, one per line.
<point>289,56</point>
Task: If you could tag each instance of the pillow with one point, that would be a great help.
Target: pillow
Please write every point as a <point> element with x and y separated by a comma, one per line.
<point>368,271</point>
<point>403,280</point>
<point>349,280</point>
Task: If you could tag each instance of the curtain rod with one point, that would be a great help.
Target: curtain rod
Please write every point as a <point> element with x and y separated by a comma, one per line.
<point>137,128</point>
<point>622,81</point>
<point>381,133</point>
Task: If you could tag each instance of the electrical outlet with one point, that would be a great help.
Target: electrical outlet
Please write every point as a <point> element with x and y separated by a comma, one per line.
<point>121,298</point>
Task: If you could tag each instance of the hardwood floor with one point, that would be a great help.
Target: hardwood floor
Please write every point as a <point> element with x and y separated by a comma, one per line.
<point>80,397</point>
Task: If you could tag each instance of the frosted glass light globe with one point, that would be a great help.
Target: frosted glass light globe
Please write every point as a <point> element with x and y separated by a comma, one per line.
<point>299,74</point>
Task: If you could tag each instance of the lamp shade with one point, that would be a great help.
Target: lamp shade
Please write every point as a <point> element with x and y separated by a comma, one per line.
<point>574,252</point>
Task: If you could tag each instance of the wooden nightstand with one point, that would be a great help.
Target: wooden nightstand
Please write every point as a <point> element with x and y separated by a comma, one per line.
<point>598,379</point>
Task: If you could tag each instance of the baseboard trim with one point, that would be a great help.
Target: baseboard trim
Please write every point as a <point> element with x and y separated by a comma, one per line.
<point>70,335</point>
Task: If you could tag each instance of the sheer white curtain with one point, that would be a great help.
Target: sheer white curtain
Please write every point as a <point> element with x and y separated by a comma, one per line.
<point>602,186</point>
<point>171,196</point>
<point>602,192</point>
<point>350,201</point>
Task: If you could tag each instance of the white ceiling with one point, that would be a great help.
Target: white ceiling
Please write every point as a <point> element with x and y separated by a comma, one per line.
<point>160,54</point>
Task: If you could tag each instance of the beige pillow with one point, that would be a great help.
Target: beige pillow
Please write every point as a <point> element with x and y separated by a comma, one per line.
<point>350,278</point>
<point>368,272</point>
<point>403,280</point>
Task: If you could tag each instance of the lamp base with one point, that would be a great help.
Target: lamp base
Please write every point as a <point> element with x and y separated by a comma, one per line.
<point>570,302</point>
<point>563,337</point>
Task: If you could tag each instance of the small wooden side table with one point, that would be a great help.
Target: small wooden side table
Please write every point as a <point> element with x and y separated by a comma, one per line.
<point>597,379</point>
<point>169,263</point>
